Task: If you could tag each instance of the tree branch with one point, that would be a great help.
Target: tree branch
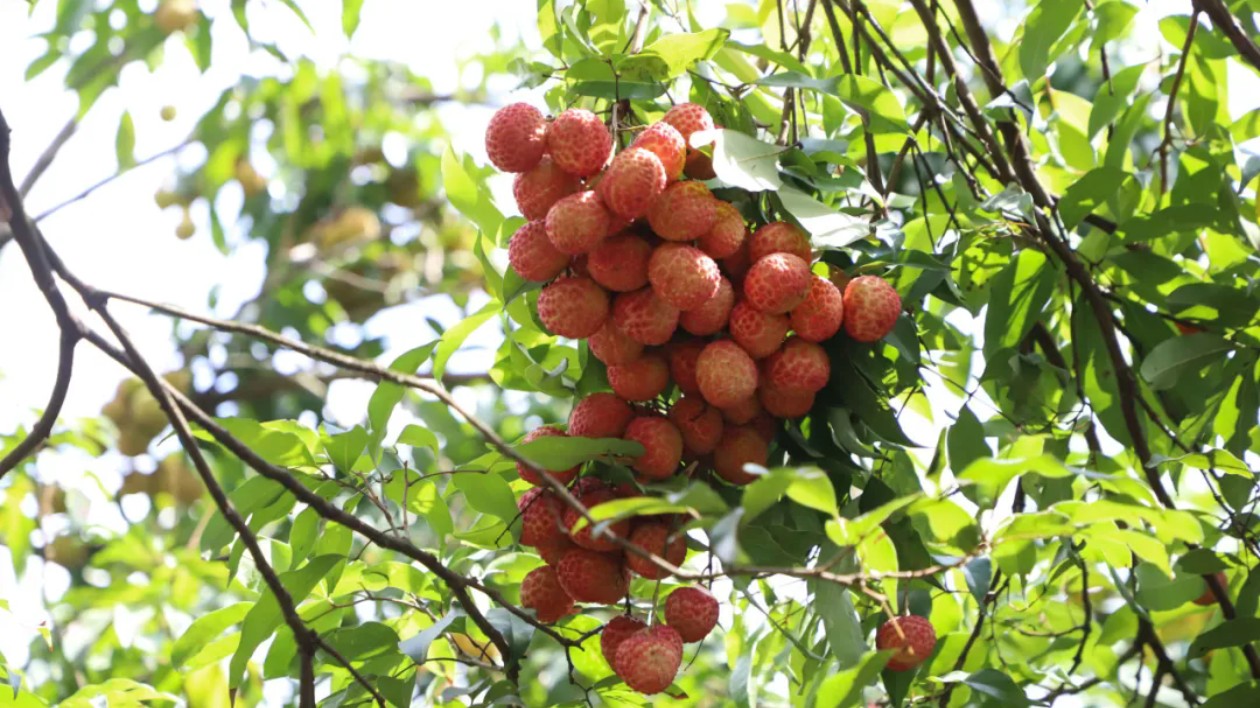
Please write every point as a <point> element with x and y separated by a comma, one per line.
<point>1225,22</point>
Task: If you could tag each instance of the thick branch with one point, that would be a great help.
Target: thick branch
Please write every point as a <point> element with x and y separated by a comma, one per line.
<point>43,427</point>
<point>1225,22</point>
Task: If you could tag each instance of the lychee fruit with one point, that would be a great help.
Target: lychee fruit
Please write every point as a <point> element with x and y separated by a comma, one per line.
<point>743,412</point>
<point>688,118</point>
<point>532,256</point>
<point>516,137</point>
<point>699,165</point>
<point>785,402</point>
<point>577,223</point>
<point>660,539</point>
<point>662,446</point>
<point>779,237</point>
<point>692,611</point>
<point>699,423</point>
<point>615,632</point>
<point>588,537</point>
<point>578,142</point>
<point>664,141</point>
<point>759,333</point>
<point>736,265</point>
<point>591,576</point>
<point>573,307</point>
<point>528,474</point>
<point>765,425</point>
<point>740,445</point>
<point>725,373</point>
<point>645,317</point>
<point>611,346</point>
<point>712,315</point>
<point>727,234</point>
<point>685,211</point>
<point>542,518</point>
<point>776,283</point>
<point>871,307</point>
<point>620,263</point>
<point>643,379</point>
<point>600,415</point>
<point>552,552</point>
<point>541,187</point>
<point>541,592</point>
<point>800,365</point>
<point>683,276</point>
<point>632,181</point>
<point>818,317</point>
<point>911,636</point>
<point>649,659</point>
<point>682,365</point>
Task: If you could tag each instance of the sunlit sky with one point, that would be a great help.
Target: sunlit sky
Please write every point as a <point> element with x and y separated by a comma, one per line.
<point>119,239</point>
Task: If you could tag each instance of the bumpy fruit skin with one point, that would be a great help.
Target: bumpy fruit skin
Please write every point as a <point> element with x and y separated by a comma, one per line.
<point>725,373</point>
<point>649,659</point>
<point>577,223</point>
<point>727,234</point>
<point>662,446</point>
<point>871,307</point>
<point>685,211</point>
<point>620,263</point>
<point>643,379</point>
<point>777,283</point>
<point>911,636</point>
<point>573,307</point>
<point>591,576</point>
<point>578,142</point>
<point>766,426</point>
<point>542,518</point>
<point>600,415</point>
<point>800,365</point>
<point>516,138</point>
<point>736,265</point>
<point>785,402</point>
<point>683,276</point>
<point>586,536</point>
<point>819,316</point>
<point>712,316</point>
<point>740,445</point>
<point>699,165</point>
<point>611,346</point>
<point>760,334</point>
<point>693,611</point>
<point>541,187</point>
<point>632,181</point>
<point>779,237</point>
<point>532,256</point>
<point>529,475</point>
<point>651,536</point>
<point>699,423</point>
<point>682,365</point>
<point>688,118</point>
<point>552,552</point>
<point>541,591</point>
<point>615,632</point>
<point>743,412</point>
<point>644,317</point>
<point>1207,598</point>
<point>664,141</point>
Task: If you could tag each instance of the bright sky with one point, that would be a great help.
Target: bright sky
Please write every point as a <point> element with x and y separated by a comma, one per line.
<point>119,239</point>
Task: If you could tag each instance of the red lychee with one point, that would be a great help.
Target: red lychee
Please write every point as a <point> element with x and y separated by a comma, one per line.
<point>779,237</point>
<point>615,632</point>
<point>644,317</point>
<point>516,137</point>
<point>727,234</point>
<point>552,552</point>
<point>652,536</point>
<point>682,365</point>
<point>800,365</point>
<point>693,611</point>
<point>664,140</point>
<point>785,402</point>
<point>777,283</point>
<point>532,256</point>
<point>600,415</point>
<point>710,317</point>
<point>740,445</point>
<point>725,373</point>
<point>819,316</point>
<point>683,276</point>
<point>911,636</point>
<point>649,659</point>
<point>871,307</point>
<point>699,423</point>
<point>611,346</point>
<point>573,307</point>
<point>685,211</point>
<point>759,333</point>
<point>742,412</point>
<point>537,190</point>
<point>591,576</point>
<point>542,593</point>
<point>643,379</point>
<point>588,537</point>
<point>528,474</point>
<point>688,118</point>
<point>632,181</point>
<point>577,223</point>
<point>620,263</point>
<point>578,142</point>
<point>662,446</point>
<point>541,518</point>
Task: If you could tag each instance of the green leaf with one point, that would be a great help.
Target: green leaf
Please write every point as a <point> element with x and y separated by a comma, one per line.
<point>828,228</point>
<point>345,449</point>
<point>1237,632</point>
<point>992,475</point>
<point>278,442</point>
<point>997,688</point>
<point>845,638</point>
<point>1181,356</point>
<point>488,493</point>
<point>454,337</point>
<point>206,629</point>
<point>125,142</point>
<point>868,97</point>
<point>844,689</point>
<point>677,52</point>
<point>1088,193</point>
<point>1017,297</point>
<point>388,394</point>
<point>978,573</point>
<point>350,10</point>
<point>1244,694</point>
<point>466,195</point>
<point>742,161</point>
<point>965,440</point>
<point>417,647</point>
<point>555,452</point>
<point>1049,21</point>
<point>1157,591</point>
<point>364,641</point>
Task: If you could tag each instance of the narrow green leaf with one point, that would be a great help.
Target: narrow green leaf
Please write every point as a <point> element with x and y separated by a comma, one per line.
<point>1182,356</point>
<point>206,629</point>
<point>125,142</point>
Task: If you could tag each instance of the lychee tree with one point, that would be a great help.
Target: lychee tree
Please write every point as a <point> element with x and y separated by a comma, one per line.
<point>845,352</point>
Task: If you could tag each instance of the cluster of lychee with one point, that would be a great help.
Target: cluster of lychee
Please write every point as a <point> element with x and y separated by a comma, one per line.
<point>667,283</point>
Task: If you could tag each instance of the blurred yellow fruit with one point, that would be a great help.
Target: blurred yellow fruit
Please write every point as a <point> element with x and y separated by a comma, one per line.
<point>173,15</point>
<point>475,649</point>
<point>137,415</point>
<point>251,182</point>
<point>353,225</point>
<point>186,227</point>
<point>165,198</point>
<point>168,113</point>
